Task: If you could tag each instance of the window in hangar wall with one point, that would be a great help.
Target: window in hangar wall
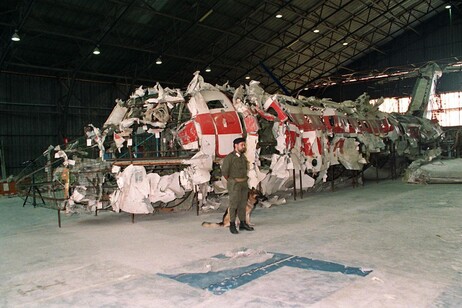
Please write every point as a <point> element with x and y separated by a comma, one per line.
<point>445,107</point>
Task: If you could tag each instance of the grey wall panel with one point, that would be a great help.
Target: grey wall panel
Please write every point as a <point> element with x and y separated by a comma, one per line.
<point>31,112</point>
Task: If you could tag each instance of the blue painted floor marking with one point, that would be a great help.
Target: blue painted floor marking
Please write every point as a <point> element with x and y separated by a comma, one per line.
<point>221,281</point>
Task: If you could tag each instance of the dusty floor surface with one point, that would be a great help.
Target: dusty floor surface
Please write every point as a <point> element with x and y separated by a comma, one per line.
<point>314,252</point>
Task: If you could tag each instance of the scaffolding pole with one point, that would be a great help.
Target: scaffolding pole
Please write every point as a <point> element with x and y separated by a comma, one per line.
<point>2,160</point>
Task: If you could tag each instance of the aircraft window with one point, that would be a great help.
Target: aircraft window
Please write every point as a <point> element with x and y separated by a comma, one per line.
<point>215,104</point>
<point>272,112</point>
<point>331,121</point>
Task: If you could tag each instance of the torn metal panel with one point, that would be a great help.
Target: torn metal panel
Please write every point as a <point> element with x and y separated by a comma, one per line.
<point>252,155</point>
<point>188,135</point>
<point>197,84</point>
<point>424,89</point>
<point>117,114</point>
<point>346,150</point>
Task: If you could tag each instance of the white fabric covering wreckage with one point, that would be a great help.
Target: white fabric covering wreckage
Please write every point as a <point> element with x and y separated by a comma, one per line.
<point>161,144</point>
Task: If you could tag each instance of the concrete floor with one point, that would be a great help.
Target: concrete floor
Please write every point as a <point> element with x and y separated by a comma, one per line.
<point>315,252</point>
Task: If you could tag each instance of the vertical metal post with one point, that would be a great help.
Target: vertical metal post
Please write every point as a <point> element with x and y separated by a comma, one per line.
<point>332,178</point>
<point>133,218</point>
<point>34,199</point>
<point>393,161</point>
<point>59,218</point>
<point>2,160</point>
<point>130,154</point>
<point>301,183</point>
<point>295,186</point>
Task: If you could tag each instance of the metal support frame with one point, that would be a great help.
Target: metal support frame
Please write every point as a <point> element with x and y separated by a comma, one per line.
<point>357,52</point>
<point>2,160</point>
<point>306,58</point>
<point>5,51</point>
<point>33,189</point>
<point>295,184</point>
<point>276,80</point>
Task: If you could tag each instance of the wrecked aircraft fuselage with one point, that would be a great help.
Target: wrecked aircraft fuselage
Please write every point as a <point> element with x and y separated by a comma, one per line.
<point>161,144</point>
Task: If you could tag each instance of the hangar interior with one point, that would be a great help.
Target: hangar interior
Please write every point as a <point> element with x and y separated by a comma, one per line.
<point>51,75</point>
<point>367,240</point>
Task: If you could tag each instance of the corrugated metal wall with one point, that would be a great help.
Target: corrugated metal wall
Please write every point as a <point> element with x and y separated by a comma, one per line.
<point>32,116</point>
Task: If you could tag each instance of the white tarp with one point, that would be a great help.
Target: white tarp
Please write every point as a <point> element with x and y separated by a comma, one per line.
<point>134,191</point>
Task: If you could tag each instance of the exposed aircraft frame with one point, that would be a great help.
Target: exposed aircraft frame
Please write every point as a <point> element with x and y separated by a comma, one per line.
<point>161,144</point>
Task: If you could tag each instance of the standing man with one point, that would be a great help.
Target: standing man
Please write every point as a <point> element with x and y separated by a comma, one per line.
<point>234,169</point>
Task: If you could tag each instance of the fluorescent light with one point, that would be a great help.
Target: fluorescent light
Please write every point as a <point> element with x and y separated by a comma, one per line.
<point>447,7</point>
<point>206,15</point>
<point>278,15</point>
<point>316,30</point>
<point>247,77</point>
<point>96,51</point>
<point>159,61</point>
<point>208,69</point>
<point>345,43</point>
<point>15,36</point>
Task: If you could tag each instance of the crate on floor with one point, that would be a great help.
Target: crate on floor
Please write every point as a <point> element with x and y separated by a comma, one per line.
<point>7,188</point>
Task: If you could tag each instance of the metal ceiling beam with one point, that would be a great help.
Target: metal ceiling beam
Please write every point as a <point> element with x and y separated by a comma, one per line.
<point>127,47</point>
<point>315,56</point>
<point>141,49</point>
<point>433,9</point>
<point>202,25</point>
<point>319,5</point>
<point>336,29</point>
<point>356,39</point>
<point>64,106</point>
<point>250,31</point>
<point>21,23</point>
<point>275,79</point>
<point>87,73</point>
<point>324,49</point>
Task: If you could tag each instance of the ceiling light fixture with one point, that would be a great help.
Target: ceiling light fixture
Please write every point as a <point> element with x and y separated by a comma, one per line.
<point>206,15</point>
<point>208,69</point>
<point>15,36</point>
<point>158,61</point>
<point>345,43</point>
<point>278,15</point>
<point>96,51</point>
<point>447,7</point>
<point>247,77</point>
<point>316,30</point>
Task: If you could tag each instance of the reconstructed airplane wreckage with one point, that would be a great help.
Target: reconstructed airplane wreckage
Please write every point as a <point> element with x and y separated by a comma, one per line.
<point>162,145</point>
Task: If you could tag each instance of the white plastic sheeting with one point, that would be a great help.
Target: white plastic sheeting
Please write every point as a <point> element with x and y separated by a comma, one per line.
<point>165,188</point>
<point>133,194</point>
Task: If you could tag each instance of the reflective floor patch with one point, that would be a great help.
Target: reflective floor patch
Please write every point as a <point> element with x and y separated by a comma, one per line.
<point>219,282</point>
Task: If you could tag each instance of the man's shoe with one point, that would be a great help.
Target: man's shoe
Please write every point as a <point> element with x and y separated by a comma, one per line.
<point>232,228</point>
<point>244,226</point>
